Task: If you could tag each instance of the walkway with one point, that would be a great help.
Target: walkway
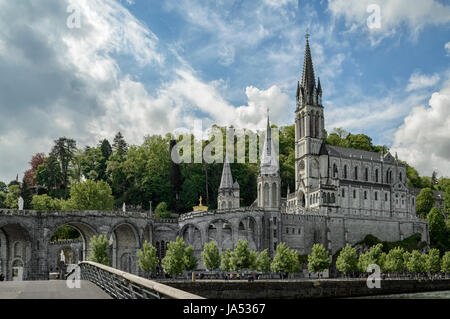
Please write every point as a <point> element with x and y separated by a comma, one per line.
<point>49,289</point>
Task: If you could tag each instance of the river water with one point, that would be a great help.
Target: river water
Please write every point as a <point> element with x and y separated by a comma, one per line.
<point>420,295</point>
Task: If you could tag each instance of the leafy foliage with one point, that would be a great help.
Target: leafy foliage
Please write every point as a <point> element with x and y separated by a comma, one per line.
<point>424,202</point>
<point>445,263</point>
<point>147,257</point>
<point>99,247</point>
<point>225,262</point>
<point>175,262</point>
<point>394,260</point>
<point>90,195</point>
<point>211,256</point>
<point>416,262</point>
<point>372,256</point>
<point>433,261</point>
<point>190,260</point>
<point>347,261</point>
<point>161,211</point>
<point>12,197</point>
<point>241,257</point>
<point>318,260</point>
<point>285,259</point>
<point>263,261</point>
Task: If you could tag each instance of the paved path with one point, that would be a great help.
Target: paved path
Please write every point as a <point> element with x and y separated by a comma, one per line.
<point>49,289</point>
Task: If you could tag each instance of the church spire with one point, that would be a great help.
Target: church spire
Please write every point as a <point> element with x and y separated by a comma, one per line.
<point>269,159</point>
<point>308,79</point>
<point>227,178</point>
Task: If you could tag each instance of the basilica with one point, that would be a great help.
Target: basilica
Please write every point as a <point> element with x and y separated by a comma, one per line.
<point>340,196</point>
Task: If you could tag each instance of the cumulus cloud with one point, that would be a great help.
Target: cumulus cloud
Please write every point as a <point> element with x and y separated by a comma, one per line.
<point>415,14</point>
<point>447,48</point>
<point>424,140</point>
<point>52,77</point>
<point>419,81</point>
<point>56,81</point>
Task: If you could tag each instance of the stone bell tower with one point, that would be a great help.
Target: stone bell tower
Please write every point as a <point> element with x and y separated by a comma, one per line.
<point>309,130</point>
<point>269,181</point>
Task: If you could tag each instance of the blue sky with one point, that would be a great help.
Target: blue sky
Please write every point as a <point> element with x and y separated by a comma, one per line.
<point>145,67</point>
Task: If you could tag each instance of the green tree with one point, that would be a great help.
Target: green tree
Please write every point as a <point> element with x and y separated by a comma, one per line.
<point>90,195</point>
<point>63,151</point>
<point>147,257</point>
<point>240,257</point>
<point>46,203</point>
<point>263,261</point>
<point>2,200</point>
<point>253,257</point>
<point>99,247</point>
<point>161,211</point>
<point>424,202</point>
<point>318,260</point>
<point>211,256</point>
<point>445,263</point>
<point>372,256</point>
<point>3,187</point>
<point>394,260</point>
<point>225,262</point>
<point>447,202</point>
<point>120,147</point>
<point>190,260</point>
<point>433,261</point>
<point>416,262</point>
<point>438,229</point>
<point>48,173</point>
<point>12,196</point>
<point>174,262</point>
<point>347,261</point>
<point>285,260</point>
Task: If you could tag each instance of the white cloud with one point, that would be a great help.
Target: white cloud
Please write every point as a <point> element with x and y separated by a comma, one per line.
<point>133,111</point>
<point>53,78</point>
<point>447,48</point>
<point>419,81</point>
<point>424,140</point>
<point>415,14</point>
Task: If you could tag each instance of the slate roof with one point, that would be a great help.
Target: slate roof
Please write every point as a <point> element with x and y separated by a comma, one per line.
<point>346,152</point>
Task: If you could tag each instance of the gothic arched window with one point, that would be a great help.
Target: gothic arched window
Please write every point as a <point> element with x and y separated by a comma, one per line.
<point>311,125</point>
<point>317,125</point>
<point>335,170</point>
<point>376,175</point>
<point>366,174</point>
<point>356,172</point>
<point>345,171</point>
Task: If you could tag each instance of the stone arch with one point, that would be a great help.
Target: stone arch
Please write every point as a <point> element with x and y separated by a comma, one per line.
<point>220,232</point>
<point>301,198</point>
<point>125,245</point>
<point>86,232</point>
<point>192,236</point>
<point>248,231</point>
<point>16,244</point>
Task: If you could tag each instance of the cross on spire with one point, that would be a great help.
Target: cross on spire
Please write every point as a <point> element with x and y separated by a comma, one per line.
<point>307,35</point>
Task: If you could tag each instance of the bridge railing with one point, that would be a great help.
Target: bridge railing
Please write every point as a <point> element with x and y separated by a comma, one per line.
<point>123,285</point>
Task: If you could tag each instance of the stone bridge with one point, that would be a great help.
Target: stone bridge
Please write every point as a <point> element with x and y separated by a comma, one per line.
<point>27,253</point>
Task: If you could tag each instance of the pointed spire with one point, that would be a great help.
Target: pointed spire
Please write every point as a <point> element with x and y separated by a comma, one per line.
<point>319,87</point>
<point>227,179</point>
<point>308,79</point>
<point>269,160</point>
